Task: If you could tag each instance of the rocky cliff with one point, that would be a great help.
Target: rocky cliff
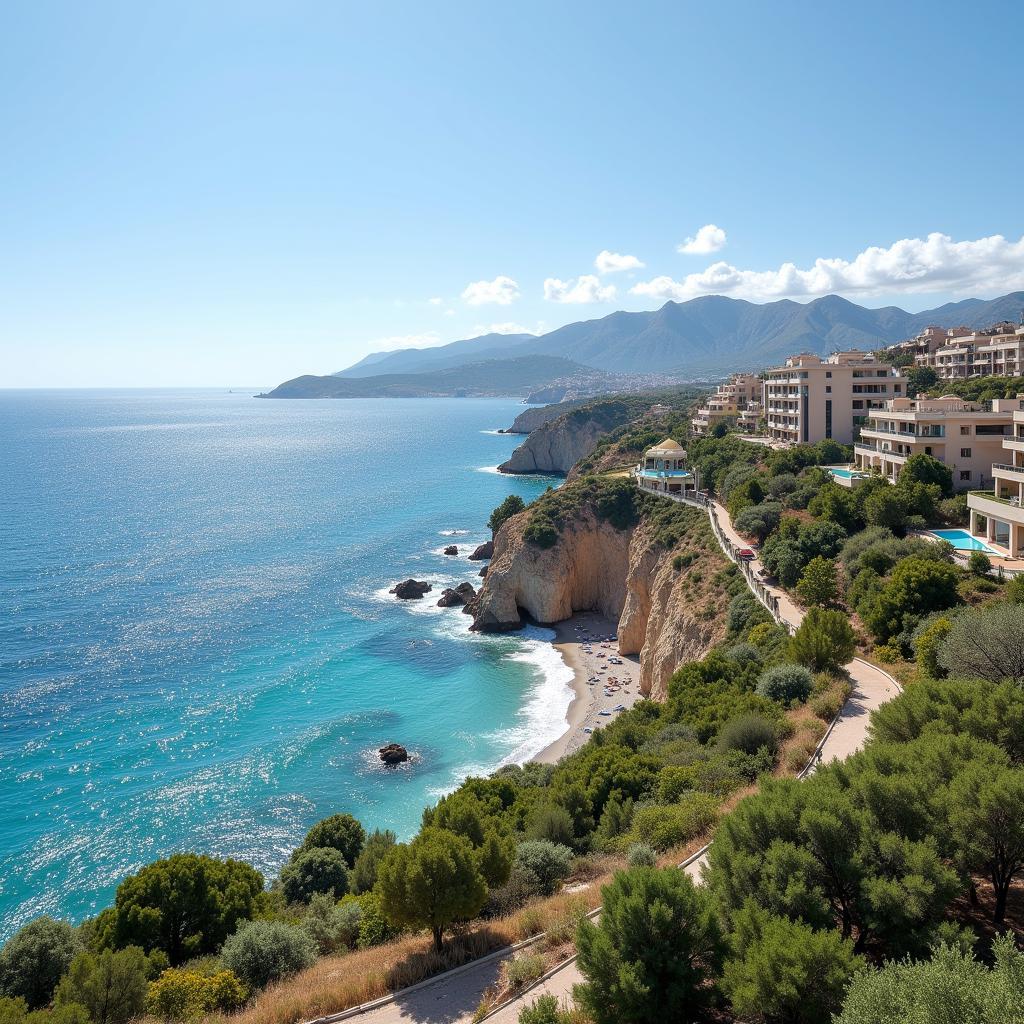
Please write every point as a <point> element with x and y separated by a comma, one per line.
<point>557,445</point>
<point>536,416</point>
<point>665,614</point>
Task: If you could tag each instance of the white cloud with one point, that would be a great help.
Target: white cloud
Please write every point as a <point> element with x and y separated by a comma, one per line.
<point>426,340</point>
<point>932,264</point>
<point>612,262</point>
<point>507,328</point>
<point>586,288</point>
<point>436,301</point>
<point>449,312</point>
<point>502,291</point>
<point>710,238</point>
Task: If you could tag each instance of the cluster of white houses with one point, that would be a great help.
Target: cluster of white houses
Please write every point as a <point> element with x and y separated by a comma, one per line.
<point>855,397</point>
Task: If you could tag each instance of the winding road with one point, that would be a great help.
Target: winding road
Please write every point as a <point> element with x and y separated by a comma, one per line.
<point>453,998</point>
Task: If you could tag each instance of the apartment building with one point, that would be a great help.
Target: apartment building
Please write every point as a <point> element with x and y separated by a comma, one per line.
<point>810,398</point>
<point>739,399</point>
<point>998,349</point>
<point>930,340</point>
<point>966,436</point>
<point>997,515</point>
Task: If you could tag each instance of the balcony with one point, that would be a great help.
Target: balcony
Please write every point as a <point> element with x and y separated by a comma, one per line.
<point>1004,469</point>
<point>988,504</point>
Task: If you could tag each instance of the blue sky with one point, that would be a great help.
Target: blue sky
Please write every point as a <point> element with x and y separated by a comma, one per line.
<point>236,193</point>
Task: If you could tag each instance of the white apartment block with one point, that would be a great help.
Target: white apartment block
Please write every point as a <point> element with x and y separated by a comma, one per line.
<point>997,515</point>
<point>968,437</point>
<point>810,398</point>
<point>999,350</point>
<point>739,399</point>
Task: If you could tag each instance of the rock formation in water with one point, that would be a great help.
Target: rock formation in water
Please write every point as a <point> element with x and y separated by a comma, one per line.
<point>452,596</point>
<point>393,753</point>
<point>482,551</point>
<point>452,549</point>
<point>410,590</point>
<point>623,574</point>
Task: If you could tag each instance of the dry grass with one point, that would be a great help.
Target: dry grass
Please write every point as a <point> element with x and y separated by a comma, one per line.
<point>336,983</point>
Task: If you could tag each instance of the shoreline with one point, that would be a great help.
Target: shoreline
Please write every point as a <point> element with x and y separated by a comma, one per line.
<point>581,642</point>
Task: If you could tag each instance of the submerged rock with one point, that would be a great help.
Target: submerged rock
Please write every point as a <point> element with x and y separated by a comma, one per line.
<point>485,550</point>
<point>483,571</point>
<point>393,753</point>
<point>410,590</point>
<point>452,549</point>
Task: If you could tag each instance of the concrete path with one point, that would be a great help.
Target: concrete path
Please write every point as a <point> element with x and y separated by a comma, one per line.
<point>454,999</point>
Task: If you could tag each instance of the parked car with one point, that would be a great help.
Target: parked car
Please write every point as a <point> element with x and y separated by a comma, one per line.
<point>745,554</point>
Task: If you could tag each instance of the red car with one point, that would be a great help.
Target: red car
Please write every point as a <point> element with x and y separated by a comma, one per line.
<point>745,554</point>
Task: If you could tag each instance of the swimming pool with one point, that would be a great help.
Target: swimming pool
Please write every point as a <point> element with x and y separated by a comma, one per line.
<point>963,541</point>
<point>843,473</point>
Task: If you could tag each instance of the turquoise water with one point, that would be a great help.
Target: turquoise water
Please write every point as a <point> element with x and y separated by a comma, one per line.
<point>197,650</point>
<point>963,541</point>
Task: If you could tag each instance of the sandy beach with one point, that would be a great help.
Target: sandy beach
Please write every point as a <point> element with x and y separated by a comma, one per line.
<point>601,683</point>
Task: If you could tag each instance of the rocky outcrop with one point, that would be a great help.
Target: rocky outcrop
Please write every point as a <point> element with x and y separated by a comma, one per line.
<point>530,419</point>
<point>393,753</point>
<point>623,574</point>
<point>483,551</point>
<point>557,445</point>
<point>584,571</point>
<point>452,549</point>
<point>452,596</point>
<point>410,590</point>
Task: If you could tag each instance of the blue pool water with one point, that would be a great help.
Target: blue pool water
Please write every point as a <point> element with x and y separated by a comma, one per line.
<point>963,541</point>
<point>845,474</point>
<point>197,647</point>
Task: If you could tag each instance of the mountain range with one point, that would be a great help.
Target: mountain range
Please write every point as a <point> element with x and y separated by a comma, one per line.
<point>711,334</point>
<point>704,337</point>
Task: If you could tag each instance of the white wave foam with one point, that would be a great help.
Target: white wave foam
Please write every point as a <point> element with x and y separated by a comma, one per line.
<point>544,716</point>
<point>453,533</point>
<point>491,469</point>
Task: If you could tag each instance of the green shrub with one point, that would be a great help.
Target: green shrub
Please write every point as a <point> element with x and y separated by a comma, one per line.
<point>785,683</point>
<point>35,957</point>
<point>261,952</point>
<point>110,985</point>
<point>749,733</point>
<point>952,986</point>
<point>783,970</point>
<point>827,705</point>
<point>339,832</point>
<point>824,640</point>
<point>182,995</point>
<point>511,506</point>
<point>666,825</point>
<point>314,870</point>
<point>979,563</point>
<point>364,871</point>
<point>332,926</point>
<point>641,855</point>
<point>548,862</point>
<point>654,953</point>
<point>525,969</point>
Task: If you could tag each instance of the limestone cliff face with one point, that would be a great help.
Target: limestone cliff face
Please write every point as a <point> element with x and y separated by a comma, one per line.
<point>662,614</point>
<point>556,446</point>
<point>585,570</point>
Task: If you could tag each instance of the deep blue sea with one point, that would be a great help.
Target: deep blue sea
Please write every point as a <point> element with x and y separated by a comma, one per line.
<point>197,647</point>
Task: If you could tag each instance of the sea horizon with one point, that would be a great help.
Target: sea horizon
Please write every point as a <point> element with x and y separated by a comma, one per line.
<point>198,648</point>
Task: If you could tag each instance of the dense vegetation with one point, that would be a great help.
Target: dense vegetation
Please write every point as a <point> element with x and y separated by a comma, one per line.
<point>874,884</point>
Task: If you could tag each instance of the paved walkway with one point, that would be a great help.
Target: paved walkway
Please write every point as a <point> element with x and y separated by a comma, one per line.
<point>454,999</point>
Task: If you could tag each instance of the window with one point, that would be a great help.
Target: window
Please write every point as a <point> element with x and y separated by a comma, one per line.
<point>965,453</point>
<point>828,373</point>
<point>828,417</point>
<point>965,428</point>
<point>828,389</point>
<point>965,474</point>
<point>858,403</point>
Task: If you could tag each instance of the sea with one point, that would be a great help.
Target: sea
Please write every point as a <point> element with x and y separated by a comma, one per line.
<point>198,650</point>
